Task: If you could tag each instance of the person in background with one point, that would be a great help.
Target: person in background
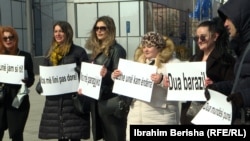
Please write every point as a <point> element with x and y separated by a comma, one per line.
<point>236,17</point>
<point>213,42</point>
<point>59,120</point>
<point>11,117</point>
<point>106,51</point>
<point>156,50</point>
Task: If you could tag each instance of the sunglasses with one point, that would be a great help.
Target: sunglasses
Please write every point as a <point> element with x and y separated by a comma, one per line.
<point>9,37</point>
<point>202,38</point>
<point>101,28</point>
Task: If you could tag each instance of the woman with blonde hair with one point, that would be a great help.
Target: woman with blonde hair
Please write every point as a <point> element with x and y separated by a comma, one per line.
<point>157,50</point>
<point>106,51</point>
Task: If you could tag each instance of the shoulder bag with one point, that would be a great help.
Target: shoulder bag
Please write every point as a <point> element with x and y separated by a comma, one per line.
<point>81,104</point>
<point>118,105</point>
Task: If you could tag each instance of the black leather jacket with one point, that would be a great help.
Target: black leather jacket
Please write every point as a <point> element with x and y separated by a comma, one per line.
<point>116,52</point>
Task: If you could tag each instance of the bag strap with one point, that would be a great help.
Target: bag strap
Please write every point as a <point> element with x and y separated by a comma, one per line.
<point>242,110</point>
<point>239,69</point>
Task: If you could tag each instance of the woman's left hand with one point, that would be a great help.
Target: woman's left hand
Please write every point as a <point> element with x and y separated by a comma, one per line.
<point>157,78</point>
<point>208,81</point>
<point>103,71</point>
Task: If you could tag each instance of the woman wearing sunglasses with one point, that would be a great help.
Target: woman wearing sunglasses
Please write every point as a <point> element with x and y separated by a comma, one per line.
<point>212,40</point>
<point>13,117</point>
<point>106,123</point>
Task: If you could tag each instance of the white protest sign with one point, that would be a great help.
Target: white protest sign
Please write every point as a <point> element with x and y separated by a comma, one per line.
<point>90,80</point>
<point>57,80</point>
<point>216,111</point>
<point>135,80</point>
<point>186,81</point>
<point>11,69</point>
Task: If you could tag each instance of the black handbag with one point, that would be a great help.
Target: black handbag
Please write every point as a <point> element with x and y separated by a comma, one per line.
<point>39,88</point>
<point>81,104</point>
<point>118,106</point>
<point>1,94</point>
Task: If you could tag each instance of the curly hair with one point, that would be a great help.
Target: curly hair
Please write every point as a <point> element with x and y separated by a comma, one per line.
<point>97,46</point>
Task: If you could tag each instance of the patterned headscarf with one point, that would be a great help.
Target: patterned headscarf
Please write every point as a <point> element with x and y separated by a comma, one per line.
<point>153,39</point>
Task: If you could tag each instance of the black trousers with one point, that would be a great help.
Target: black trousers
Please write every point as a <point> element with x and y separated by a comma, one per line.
<point>107,125</point>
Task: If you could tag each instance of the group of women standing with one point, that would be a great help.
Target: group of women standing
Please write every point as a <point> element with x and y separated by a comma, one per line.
<point>59,120</point>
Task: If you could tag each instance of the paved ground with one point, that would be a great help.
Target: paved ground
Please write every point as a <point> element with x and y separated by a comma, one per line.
<point>31,128</point>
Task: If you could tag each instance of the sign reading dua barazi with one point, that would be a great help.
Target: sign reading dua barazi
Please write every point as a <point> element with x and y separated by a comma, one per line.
<point>187,84</point>
<point>11,69</point>
<point>186,81</point>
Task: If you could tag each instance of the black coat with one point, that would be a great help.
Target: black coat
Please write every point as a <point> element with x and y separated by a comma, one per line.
<point>219,67</point>
<point>59,121</point>
<point>10,117</point>
<point>105,125</point>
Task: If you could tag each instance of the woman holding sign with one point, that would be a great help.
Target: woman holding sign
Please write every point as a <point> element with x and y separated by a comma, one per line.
<point>157,50</point>
<point>14,112</point>
<point>107,123</point>
<point>212,39</point>
<point>59,120</point>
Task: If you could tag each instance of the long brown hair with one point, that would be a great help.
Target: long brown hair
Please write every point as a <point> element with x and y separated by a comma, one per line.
<point>56,51</point>
<point>97,46</point>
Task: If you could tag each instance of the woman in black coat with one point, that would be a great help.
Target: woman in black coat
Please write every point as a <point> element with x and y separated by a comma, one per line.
<point>212,40</point>
<point>107,123</point>
<point>59,120</point>
<point>14,118</point>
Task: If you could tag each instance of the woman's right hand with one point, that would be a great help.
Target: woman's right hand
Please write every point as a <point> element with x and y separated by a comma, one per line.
<point>165,81</point>
<point>116,73</point>
<point>79,91</point>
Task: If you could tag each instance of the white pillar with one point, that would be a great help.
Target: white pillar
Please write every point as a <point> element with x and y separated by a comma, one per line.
<point>29,27</point>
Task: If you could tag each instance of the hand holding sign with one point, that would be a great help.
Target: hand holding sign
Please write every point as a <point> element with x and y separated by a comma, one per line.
<point>216,109</point>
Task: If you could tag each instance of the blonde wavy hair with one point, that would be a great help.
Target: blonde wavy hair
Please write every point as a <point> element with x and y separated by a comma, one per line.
<point>165,54</point>
<point>98,46</point>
